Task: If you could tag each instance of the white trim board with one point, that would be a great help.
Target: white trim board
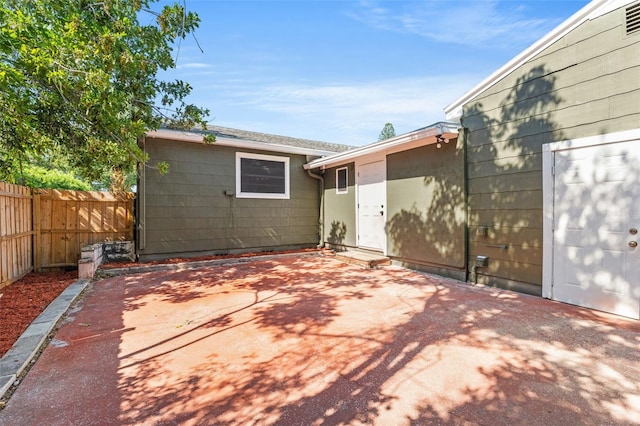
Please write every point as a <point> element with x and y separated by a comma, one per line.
<point>591,11</point>
<point>359,162</point>
<point>425,136</point>
<point>184,136</point>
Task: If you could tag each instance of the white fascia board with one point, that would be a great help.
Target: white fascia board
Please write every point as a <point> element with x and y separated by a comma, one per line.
<point>184,136</point>
<point>403,142</point>
<point>590,11</point>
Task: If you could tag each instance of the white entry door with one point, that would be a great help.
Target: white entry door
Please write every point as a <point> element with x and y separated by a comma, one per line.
<point>371,205</point>
<point>596,219</point>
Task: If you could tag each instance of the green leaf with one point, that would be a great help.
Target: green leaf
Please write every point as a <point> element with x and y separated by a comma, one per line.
<point>82,76</point>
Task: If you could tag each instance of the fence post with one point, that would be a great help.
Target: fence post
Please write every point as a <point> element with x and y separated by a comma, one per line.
<point>36,229</point>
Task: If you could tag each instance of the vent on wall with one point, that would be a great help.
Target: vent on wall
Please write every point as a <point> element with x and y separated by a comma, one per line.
<point>633,19</point>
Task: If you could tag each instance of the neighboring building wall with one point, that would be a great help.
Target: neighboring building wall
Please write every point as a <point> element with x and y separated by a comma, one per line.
<point>587,83</point>
<point>340,209</point>
<point>425,208</point>
<point>186,211</point>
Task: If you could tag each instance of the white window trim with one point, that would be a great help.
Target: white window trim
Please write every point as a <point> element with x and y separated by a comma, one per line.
<point>346,188</point>
<point>240,194</point>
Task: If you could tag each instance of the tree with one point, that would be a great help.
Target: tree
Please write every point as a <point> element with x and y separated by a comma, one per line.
<point>80,76</point>
<point>387,132</point>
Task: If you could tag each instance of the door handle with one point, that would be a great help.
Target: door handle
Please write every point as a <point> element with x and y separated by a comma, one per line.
<point>633,244</point>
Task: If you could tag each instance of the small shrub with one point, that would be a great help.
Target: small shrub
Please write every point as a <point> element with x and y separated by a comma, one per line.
<point>39,177</point>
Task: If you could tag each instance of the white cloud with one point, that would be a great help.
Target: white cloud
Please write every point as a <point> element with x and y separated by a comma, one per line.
<point>193,65</point>
<point>352,113</point>
<point>476,24</point>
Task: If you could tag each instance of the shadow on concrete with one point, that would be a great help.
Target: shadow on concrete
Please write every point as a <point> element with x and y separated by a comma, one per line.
<point>320,343</point>
<point>314,341</point>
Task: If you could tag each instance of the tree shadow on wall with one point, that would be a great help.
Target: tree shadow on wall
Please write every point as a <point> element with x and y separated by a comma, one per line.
<point>504,165</point>
<point>432,229</point>
<point>504,173</point>
<point>337,233</point>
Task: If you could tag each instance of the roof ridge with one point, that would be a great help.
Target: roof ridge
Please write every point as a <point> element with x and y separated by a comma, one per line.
<point>267,138</point>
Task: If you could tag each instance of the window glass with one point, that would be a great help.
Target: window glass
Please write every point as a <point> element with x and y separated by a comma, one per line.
<point>262,176</point>
<point>342,184</point>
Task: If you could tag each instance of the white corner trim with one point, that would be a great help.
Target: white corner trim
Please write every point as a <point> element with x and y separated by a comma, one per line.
<point>547,221</point>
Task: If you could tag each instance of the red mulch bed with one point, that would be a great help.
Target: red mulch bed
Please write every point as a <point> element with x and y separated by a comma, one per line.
<point>22,301</point>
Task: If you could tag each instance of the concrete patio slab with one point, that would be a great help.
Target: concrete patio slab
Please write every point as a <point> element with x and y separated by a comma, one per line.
<point>312,340</point>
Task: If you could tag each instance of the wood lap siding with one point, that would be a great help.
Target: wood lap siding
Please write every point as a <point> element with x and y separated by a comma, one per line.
<point>340,209</point>
<point>16,233</point>
<point>187,211</point>
<point>585,84</point>
<point>425,207</point>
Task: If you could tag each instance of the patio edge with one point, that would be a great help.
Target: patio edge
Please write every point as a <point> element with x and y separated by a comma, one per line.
<point>16,359</point>
<point>113,272</point>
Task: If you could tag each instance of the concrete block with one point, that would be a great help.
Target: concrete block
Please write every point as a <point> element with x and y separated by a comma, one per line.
<point>86,268</point>
<point>115,251</point>
<point>93,251</point>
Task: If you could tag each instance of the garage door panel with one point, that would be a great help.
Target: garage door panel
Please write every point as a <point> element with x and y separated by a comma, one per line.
<point>596,203</point>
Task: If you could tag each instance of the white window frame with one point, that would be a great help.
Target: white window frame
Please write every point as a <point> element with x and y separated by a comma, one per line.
<point>278,196</point>
<point>346,181</point>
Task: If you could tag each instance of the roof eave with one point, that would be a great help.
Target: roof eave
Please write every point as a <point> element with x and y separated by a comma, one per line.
<point>454,110</point>
<point>185,136</point>
<point>424,136</point>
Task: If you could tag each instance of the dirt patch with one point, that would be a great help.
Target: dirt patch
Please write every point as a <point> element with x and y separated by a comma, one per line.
<point>22,301</point>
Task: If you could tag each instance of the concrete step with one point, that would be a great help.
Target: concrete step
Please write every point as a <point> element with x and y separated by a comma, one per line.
<point>368,260</point>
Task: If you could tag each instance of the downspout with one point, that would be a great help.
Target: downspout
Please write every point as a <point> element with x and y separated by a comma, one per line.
<point>142,202</point>
<point>465,190</point>
<point>321,179</point>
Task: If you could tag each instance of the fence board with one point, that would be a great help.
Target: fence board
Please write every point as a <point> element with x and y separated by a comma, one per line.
<point>43,228</point>
<point>16,234</point>
<point>70,220</point>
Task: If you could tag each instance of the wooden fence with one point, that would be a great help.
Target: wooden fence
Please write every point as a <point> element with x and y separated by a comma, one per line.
<point>46,228</point>
<point>16,233</point>
<point>65,221</point>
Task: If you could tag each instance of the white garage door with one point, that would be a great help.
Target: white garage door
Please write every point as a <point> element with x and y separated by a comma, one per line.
<point>596,220</point>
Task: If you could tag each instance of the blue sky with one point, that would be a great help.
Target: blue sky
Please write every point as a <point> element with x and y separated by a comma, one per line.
<point>338,70</point>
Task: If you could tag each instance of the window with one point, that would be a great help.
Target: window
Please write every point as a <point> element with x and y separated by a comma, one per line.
<point>262,176</point>
<point>342,181</point>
